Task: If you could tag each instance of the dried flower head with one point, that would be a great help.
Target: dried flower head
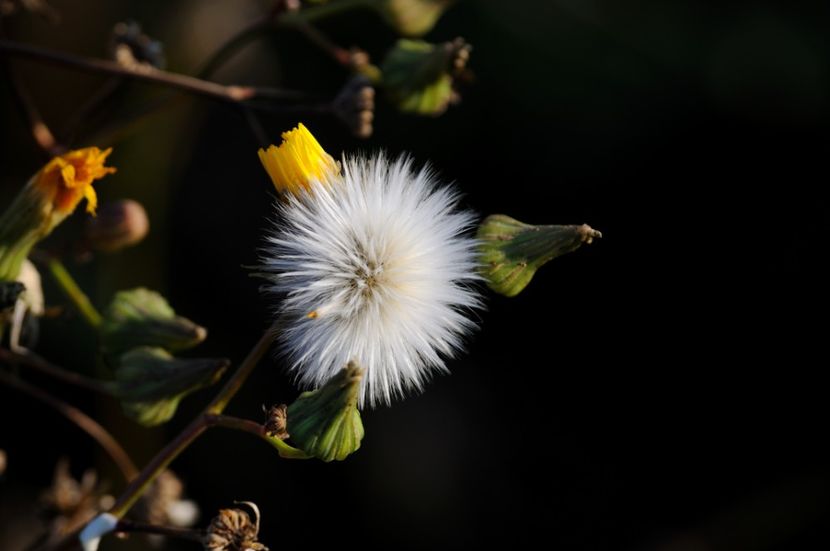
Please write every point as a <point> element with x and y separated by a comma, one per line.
<point>69,503</point>
<point>275,421</point>
<point>233,530</point>
<point>163,503</point>
<point>373,265</point>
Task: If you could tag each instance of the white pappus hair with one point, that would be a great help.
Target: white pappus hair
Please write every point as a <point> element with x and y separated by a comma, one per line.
<point>375,267</point>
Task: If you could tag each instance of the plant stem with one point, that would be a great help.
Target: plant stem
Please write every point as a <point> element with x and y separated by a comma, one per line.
<point>239,377</point>
<point>230,422</point>
<point>232,93</point>
<point>157,465</point>
<point>194,429</point>
<point>285,450</point>
<point>76,295</point>
<point>32,360</point>
<point>82,420</point>
<point>132,526</point>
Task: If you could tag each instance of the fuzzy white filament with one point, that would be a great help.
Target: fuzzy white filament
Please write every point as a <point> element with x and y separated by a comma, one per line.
<point>376,267</point>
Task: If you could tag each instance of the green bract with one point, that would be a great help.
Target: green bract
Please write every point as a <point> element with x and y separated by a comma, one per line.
<point>512,251</point>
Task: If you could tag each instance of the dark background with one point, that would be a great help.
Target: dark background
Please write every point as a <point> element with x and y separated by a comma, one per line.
<point>660,389</point>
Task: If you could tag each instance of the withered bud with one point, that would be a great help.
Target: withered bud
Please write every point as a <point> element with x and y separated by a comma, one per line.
<point>233,530</point>
<point>275,421</point>
<point>135,50</point>
<point>119,224</point>
<point>355,106</point>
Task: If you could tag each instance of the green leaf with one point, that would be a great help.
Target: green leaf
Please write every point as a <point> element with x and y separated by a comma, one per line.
<point>140,317</point>
<point>150,382</point>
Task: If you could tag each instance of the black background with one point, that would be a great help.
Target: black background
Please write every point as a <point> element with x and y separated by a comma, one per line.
<point>660,389</point>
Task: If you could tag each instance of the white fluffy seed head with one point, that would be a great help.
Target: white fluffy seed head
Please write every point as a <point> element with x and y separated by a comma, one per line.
<point>375,267</point>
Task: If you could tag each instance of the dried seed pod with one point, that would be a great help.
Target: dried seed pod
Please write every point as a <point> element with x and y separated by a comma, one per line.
<point>233,530</point>
<point>275,422</point>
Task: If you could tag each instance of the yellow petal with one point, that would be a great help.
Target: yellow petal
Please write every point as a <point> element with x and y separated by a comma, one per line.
<point>298,163</point>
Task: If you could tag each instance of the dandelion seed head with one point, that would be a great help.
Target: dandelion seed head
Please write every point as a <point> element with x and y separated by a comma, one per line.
<point>374,266</point>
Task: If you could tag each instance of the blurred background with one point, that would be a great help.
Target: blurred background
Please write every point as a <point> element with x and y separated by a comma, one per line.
<point>659,389</point>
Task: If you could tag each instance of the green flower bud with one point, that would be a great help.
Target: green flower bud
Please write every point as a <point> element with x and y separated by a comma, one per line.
<point>151,383</point>
<point>512,251</point>
<point>412,17</point>
<point>419,77</point>
<point>140,317</point>
<point>325,423</point>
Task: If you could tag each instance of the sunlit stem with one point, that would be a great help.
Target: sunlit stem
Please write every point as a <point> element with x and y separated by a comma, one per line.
<point>67,283</point>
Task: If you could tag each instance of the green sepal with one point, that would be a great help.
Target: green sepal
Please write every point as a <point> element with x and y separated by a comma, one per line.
<point>325,423</point>
<point>512,251</point>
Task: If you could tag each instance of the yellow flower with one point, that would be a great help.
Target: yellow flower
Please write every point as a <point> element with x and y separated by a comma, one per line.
<point>45,201</point>
<point>298,162</point>
<point>67,179</point>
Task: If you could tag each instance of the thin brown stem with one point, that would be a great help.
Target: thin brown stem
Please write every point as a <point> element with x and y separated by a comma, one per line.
<point>157,465</point>
<point>194,429</point>
<point>81,419</point>
<point>33,361</point>
<point>213,90</point>
<point>131,526</point>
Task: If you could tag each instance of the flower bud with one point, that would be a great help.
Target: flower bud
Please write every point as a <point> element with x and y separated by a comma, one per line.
<point>151,383</point>
<point>140,317</point>
<point>355,106</point>
<point>325,423</point>
<point>119,224</point>
<point>298,163</point>
<point>512,251</point>
<point>419,77</point>
<point>45,201</point>
<point>413,17</point>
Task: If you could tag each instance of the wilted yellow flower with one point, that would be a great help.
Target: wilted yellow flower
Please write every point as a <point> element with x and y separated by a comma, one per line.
<point>68,178</point>
<point>45,201</point>
<point>298,161</point>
